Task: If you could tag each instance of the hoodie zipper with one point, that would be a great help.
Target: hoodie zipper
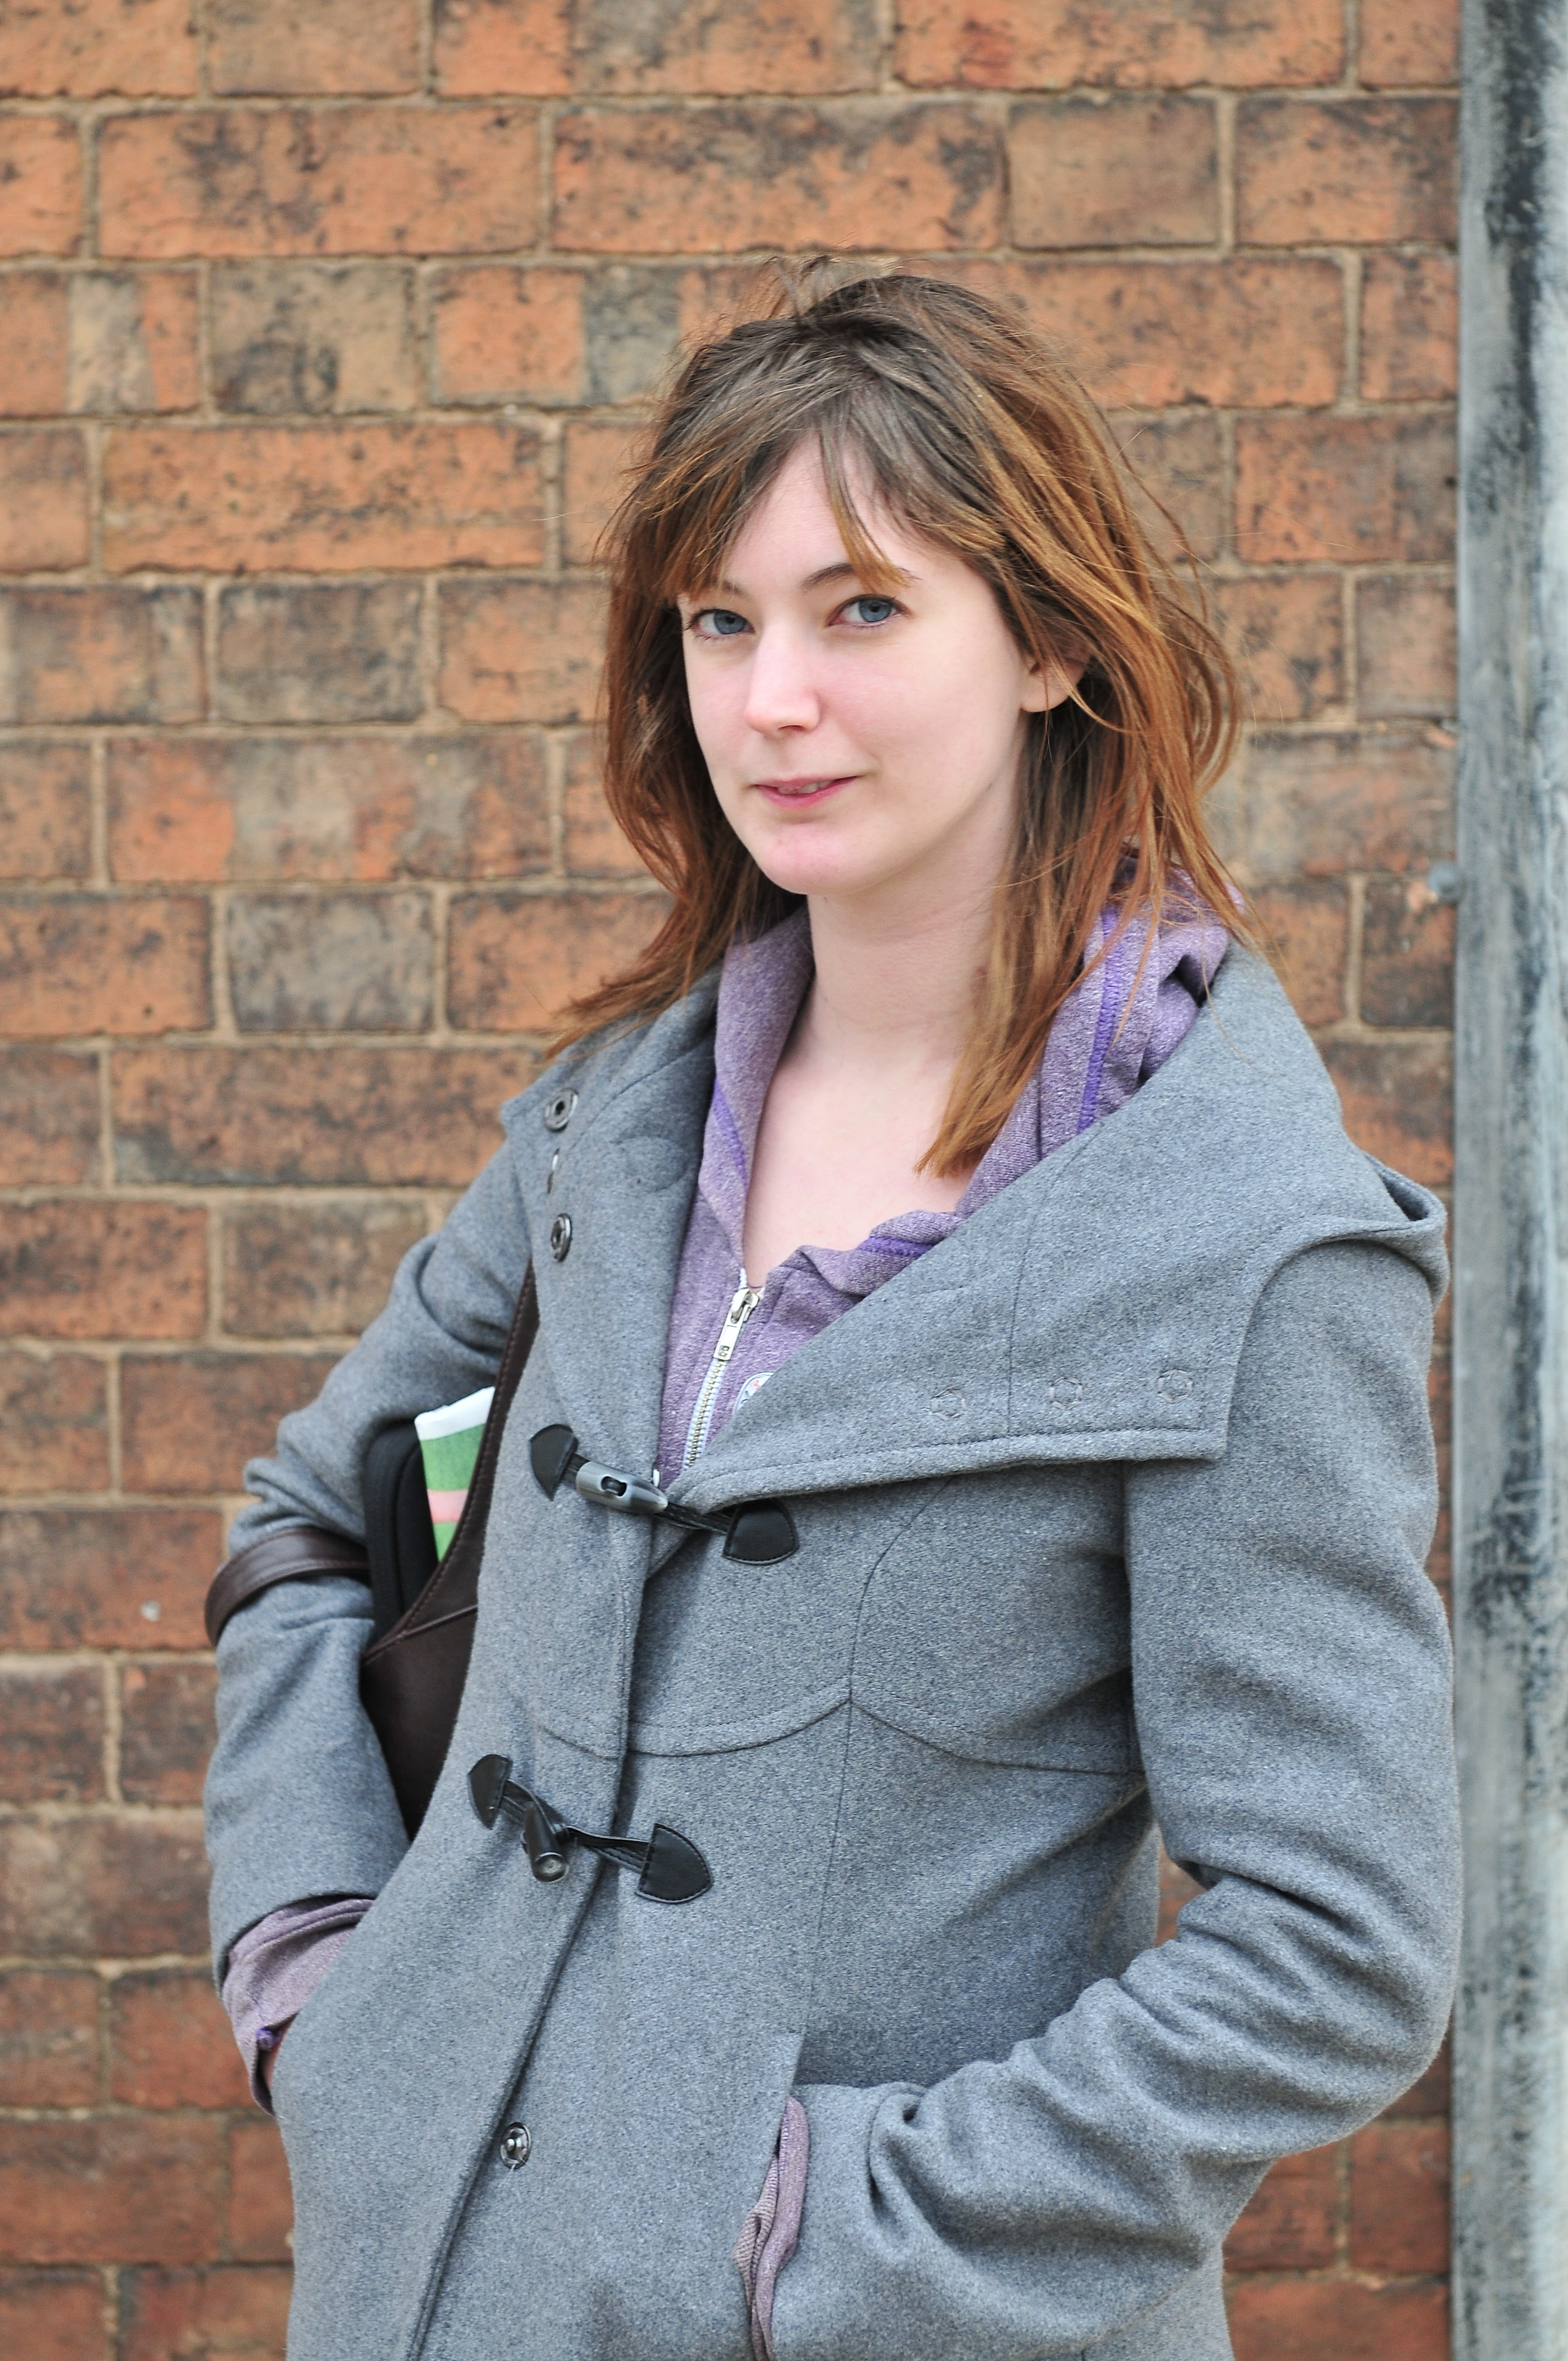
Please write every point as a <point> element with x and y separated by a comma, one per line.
<point>743,1303</point>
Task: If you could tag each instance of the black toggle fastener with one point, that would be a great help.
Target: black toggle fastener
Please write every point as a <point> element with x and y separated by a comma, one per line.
<point>759,1532</point>
<point>668,1867</point>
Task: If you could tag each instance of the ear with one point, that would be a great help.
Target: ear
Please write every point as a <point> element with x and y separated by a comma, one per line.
<point>1048,685</point>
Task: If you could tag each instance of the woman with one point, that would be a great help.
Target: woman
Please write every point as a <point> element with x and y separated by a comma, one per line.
<point>949,1173</point>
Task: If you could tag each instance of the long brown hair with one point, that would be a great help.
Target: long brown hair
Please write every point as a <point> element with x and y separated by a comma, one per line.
<point>971,433</point>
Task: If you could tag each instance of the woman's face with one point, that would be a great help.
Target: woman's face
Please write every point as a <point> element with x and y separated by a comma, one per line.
<point>858,741</point>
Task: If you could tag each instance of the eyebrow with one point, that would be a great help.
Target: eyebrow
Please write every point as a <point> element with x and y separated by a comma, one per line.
<point>840,571</point>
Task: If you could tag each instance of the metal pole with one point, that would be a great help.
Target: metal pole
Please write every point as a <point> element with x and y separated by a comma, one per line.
<point>1511,1190</point>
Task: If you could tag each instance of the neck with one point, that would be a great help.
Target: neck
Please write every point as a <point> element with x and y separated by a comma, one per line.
<point>894,987</point>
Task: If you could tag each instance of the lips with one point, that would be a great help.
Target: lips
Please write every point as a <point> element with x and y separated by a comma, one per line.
<point>799,794</point>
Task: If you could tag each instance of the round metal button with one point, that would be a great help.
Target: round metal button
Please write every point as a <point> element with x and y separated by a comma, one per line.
<point>558,1111</point>
<point>515,2145</point>
<point>561,1236</point>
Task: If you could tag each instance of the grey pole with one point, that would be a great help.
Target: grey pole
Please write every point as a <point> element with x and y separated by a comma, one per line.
<point>1511,1190</point>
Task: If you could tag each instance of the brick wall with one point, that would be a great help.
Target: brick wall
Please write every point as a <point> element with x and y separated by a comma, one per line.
<point>324,321</point>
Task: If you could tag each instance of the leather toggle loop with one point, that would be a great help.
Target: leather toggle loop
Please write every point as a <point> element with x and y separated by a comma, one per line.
<point>759,1532</point>
<point>668,1867</point>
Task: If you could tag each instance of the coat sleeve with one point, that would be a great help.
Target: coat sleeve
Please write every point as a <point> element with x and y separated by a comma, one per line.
<point>1291,1676</point>
<point>297,1799</point>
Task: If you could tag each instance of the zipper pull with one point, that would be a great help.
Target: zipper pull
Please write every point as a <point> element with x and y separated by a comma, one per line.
<point>743,1303</point>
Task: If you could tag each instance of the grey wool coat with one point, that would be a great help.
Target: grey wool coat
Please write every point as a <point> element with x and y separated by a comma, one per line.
<point>1111,1513</point>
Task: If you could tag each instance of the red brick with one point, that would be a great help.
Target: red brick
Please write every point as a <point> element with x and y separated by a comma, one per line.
<point>1398,2198</point>
<point>548,49</point>
<point>170,2043</point>
<point>51,1734</point>
<point>1409,42</point>
<point>357,1117</point>
<point>102,1885</point>
<point>37,343</point>
<point>282,47</point>
<point>1113,171</point>
<point>53,2316</point>
<point>261,2206</point>
<point>1406,660</point>
<point>1397,1098</point>
<point>40,184</point>
<point>43,500</point>
<point>1051,44</point>
<point>304,1270</point>
<point>86,1577</point>
<point>1358,171</point>
<point>1306,931</point>
<point>49,2044</point>
<point>54,1429</point>
<point>1406,962</point>
<point>345,180</point>
<point>334,652</point>
<point>276,810</point>
<point>1286,632</point>
<point>45,809</point>
<point>521,651</point>
<point>134,341</point>
<point>1431,2095</point>
<point>1317,806</point>
<point>48,1117</point>
<point>1289,2225</point>
<point>120,2189</point>
<point>90,48</point>
<point>508,335</point>
<point>331,962</point>
<point>110,1269</point>
<point>1409,327</point>
<point>776,174</point>
<point>1176,462</point>
<point>167,1730</point>
<point>1356,490</point>
<point>594,846</point>
<point>315,336</point>
<point>100,651</point>
<point>516,960</point>
<point>594,473</point>
<point>98,964</point>
<point>189,1421</point>
<point>223,2315</point>
<point>323,497</point>
<point>1310,2319</point>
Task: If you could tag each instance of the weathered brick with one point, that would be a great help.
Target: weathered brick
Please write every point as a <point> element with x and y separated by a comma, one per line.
<point>283,48</point>
<point>134,341</point>
<point>105,1269</point>
<point>1307,2320</point>
<point>312,1270</point>
<point>1357,171</point>
<point>74,2192</point>
<point>40,184</point>
<point>33,384</point>
<point>357,1117</point>
<point>233,181</point>
<point>1306,931</point>
<point>48,1117</point>
<point>1405,648</point>
<point>189,1421</point>
<point>331,962</point>
<point>1397,1098</point>
<point>51,1734</point>
<point>595,472</point>
<point>1409,327</point>
<point>1289,2225</point>
<point>506,334</point>
<point>43,500</point>
<point>594,846</point>
<point>271,810</point>
<point>549,48</point>
<point>103,963</point>
<point>99,652</point>
<point>1051,44</point>
<point>54,1428</point>
<point>316,337</point>
<point>260,2208</point>
<point>1317,806</point>
<point>1409,42</point>
<point>1178,462</point>
<point>45,809</point>
<point>1286,632</point>
<point>53,2316</point>
<point>1357,490</point>
<point>170,2043</point>
<point>323,497</point>
<point>89,49</point>
<point>1399,2197</point>
<point>516,960</point>
<point>1431,2095</point>
<point>49,2047</point>
<point>221,2315</point>
<point>521,651</point>
<point>319,652</point>
<point>105,1577</point>
<point>103,1885</point>
<point>166,1733</point>
<point>1406,961</point>
<point>773,175</point>
<point>1113,171</point>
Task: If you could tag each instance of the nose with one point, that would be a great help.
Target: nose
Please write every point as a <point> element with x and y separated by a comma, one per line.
<point>781,690</point>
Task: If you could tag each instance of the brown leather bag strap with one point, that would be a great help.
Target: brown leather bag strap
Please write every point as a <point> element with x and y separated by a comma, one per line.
<point>285,1556</point>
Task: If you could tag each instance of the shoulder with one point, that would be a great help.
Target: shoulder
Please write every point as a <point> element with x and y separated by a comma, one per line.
<point>577,1087</point>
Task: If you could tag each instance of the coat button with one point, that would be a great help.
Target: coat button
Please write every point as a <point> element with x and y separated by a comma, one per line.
<point>561,1236</point>
<point>550,1175</point>
<point>515,2145</point>
<point>558,1111</point>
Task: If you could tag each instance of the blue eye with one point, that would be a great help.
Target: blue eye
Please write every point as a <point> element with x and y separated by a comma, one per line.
<point>873,610</point>
<point>719,622</point>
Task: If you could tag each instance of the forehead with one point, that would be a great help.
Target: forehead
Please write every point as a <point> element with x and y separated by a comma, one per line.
<point>792,536</point>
